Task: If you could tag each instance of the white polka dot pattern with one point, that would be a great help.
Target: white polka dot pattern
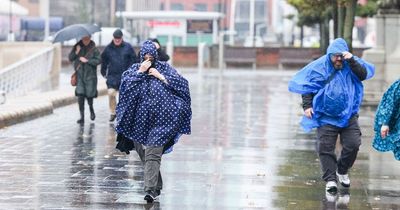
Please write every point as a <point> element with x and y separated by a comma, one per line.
<point>150,111</point>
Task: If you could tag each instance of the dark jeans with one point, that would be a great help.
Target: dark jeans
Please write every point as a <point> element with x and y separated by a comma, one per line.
<point>350,138</point>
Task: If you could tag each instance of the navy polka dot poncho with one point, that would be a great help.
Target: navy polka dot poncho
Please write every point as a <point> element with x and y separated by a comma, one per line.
<point>149,111</point>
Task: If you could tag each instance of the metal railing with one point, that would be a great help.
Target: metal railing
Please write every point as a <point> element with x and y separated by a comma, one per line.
<point>25,75</point>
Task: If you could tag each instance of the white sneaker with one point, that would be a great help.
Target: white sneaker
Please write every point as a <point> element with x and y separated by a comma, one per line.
<point>343,200</point>
<point>331,187</point>
<point>344,179</point>
<point>330,197</point>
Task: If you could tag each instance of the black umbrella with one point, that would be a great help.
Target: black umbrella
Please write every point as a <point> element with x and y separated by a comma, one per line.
<point>76,31</point>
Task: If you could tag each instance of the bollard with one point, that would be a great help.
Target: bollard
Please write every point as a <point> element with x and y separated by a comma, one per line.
<point>2,97</point>
<point>170,50</point>
<point>201,57</point>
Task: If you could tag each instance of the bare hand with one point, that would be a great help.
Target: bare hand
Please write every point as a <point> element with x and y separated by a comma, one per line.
<point>83,59</point>
<point>347,55</point>
<point>154,72</point>
<point>309,112</point>
<point>77,49</point>
<point>384,131</point>
<point>145,65</point>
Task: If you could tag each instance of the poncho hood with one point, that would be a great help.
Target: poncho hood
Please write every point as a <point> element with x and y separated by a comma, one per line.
<point>148,48</point>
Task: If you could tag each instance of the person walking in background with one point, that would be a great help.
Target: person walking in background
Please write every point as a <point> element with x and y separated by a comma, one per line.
<point>387,122</point>
<point>117,57</point>
<point>153,111</point>
<point>85,57</point>
<point>332,92</point>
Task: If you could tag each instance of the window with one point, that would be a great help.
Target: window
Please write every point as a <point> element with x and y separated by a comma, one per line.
<point>259,10</point>
<point>200,7</point>
<point>218,8</point>
<point>242,10</point>
<point>177,6</point>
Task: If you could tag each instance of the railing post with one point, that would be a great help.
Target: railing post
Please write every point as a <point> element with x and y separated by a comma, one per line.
<point>221,51</point>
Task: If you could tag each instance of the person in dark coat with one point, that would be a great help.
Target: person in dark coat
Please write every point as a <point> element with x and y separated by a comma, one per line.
<point>153,111</point>
<point>85,57</point>
<point>117,57</point>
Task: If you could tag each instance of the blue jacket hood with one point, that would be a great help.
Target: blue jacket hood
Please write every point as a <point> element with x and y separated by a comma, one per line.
<point>337,46</point>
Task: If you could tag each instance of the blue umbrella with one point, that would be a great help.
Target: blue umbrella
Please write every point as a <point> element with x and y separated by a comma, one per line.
<point>75,31</point>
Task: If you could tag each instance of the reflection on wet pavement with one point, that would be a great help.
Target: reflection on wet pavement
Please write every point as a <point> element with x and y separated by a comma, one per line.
<point>246,152</point>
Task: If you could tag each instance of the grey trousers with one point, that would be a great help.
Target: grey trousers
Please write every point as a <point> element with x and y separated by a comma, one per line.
<point>151,158</point>
<point>350,139</point>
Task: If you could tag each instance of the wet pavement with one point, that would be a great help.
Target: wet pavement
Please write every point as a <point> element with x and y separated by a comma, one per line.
<point>246,151</point>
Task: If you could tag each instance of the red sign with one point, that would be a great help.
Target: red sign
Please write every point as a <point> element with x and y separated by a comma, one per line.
<point>157,23</point>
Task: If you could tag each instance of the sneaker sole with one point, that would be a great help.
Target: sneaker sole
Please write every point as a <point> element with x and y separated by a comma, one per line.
<point>345,185</point>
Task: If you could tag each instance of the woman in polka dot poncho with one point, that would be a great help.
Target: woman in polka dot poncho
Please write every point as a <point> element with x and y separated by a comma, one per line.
<point>154,101</point>
<point>153,111</point>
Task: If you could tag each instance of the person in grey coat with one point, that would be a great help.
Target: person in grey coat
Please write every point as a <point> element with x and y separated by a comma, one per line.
<point>85,58</point>
<point>117,57</point>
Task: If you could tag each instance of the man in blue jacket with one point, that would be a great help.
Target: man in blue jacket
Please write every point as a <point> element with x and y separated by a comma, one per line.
<point>332,93</point>
<point>117,57</point>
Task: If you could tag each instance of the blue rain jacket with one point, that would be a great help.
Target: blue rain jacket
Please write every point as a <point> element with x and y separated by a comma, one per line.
<point>150,111</point>
<point>335,102</point>
<point>388,113</point>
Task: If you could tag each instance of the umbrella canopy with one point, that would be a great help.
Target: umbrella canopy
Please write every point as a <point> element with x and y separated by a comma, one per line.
<point>76,31</point>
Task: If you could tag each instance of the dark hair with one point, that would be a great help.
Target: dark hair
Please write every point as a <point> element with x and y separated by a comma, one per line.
<point>156,40</point>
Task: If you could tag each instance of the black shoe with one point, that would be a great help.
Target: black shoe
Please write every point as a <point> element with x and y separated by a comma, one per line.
<point>112,117</point>
<point>80,121</point>
<point>92,115</point>
<point>150,196</point>
<point>331,187</point>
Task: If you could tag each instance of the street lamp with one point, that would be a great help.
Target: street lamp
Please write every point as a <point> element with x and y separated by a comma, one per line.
<point>10,33</point>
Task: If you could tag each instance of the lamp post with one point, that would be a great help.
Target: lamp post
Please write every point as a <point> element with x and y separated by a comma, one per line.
<point>10,33</point>
<point>45,14</point>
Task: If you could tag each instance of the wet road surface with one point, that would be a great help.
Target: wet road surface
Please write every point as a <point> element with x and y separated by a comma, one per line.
<point>246,151</point>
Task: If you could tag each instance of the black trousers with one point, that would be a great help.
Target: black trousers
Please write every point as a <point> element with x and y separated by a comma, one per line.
<point>350,138</point>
